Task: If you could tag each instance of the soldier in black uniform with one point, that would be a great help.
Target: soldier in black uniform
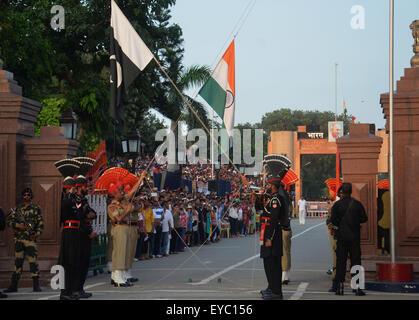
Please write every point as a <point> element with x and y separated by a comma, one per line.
<point>71,211</point>
<point>275,214</point>
<point>86,230</point>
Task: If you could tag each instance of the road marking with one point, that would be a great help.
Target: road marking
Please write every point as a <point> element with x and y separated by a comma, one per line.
<point>300,291</point>
<point>308,229</point>
<point>86,287</point>
<point>216,275</point>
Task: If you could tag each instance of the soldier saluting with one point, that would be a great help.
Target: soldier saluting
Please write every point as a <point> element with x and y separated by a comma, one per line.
<point>274,216</point>
<point>27,224</point>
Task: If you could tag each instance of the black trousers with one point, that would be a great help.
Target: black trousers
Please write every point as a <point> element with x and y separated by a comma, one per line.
<point>342,251</point>
<point>273,271</point>
<point>85,252</point>
<point>173,241</point>
<point>69,259</point>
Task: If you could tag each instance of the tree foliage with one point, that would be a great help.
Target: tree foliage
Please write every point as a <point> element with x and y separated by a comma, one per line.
<point>73,63</point>
<point>288,120</point>
<point>50,113</point>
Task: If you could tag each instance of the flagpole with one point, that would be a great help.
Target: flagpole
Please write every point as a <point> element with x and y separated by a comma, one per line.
<point>391,159</point>
<point>212,147</point>
<point>336,91</point>
<point>199,119</point>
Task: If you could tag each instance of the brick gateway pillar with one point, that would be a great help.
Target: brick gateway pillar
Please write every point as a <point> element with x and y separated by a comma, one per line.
<point>26,160</point>
<point>406,165</point>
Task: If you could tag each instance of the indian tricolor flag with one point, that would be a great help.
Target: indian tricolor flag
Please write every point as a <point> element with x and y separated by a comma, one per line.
<point>219,90</point>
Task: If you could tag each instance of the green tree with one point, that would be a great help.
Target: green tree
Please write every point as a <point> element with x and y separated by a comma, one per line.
<point>73,63</point>
<point>50,113</point>
<point>288,120</point>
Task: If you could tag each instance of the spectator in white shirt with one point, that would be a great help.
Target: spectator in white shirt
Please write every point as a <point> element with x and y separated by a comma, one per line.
<point>302,210</point>
<point>167,226</point>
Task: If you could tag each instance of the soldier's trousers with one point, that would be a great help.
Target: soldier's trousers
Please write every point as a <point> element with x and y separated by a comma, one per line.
<point>132,245</point>
<point>333,247</point>
<point>120,235</point>
<point>286,257</point>
<point>25,249</point>
<point>273,271</point>
<point>85,252</point>
<point>342,251</point>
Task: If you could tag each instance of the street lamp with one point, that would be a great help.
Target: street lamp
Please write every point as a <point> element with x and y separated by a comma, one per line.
<point>68,121</point>
<point>142,148</point>
<point>132,143</point>
<point>131,146</point>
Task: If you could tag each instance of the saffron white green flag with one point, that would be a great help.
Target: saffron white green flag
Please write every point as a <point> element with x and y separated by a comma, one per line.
<point>219,90</point>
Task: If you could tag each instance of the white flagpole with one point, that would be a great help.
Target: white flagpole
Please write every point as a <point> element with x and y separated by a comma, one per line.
<point>212,146</point>
<point>391,151</point>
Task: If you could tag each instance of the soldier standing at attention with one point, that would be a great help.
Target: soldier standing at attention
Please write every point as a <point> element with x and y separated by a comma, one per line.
<point>86,230</point>
<point>71,212</point>
<point>27,224</point>
<point>274,216</point>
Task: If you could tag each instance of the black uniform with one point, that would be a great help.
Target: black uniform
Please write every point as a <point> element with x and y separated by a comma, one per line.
<point>347,214</point>
<point>85,242</point>
<point>69,257</point>
<point>275,213</point>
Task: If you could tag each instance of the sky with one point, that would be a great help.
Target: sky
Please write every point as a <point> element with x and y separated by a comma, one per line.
<point>286,51</point>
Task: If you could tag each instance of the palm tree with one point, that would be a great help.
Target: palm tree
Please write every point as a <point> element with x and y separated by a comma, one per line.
<point>190,78</point>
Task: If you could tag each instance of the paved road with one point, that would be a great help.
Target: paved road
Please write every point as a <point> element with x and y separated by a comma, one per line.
<point>228,270</point>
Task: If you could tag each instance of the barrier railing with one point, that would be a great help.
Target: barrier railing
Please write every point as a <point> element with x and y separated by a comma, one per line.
<point>98,258</point>
<point>317,209</point>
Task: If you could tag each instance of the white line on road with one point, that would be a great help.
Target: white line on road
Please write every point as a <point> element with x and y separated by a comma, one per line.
<point>86,287</point>
<point>205,281</point>
<point>300,291</point>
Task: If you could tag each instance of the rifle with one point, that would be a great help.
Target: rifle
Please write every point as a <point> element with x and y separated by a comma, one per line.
<point>28,225</point>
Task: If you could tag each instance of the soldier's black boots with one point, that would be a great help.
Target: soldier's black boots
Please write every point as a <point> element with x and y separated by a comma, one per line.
<point>36,287</point>
<point>12,287</point>
<point>359,292</point>
<point>339,289</point>
<point>333,287</point>
<point>84,295</point>
<point>272,296</point>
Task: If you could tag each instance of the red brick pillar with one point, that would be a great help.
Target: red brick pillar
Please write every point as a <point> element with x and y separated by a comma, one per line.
<point>406,165</point>
<point>41,153</point>
<point>17,118</point>
<point>28,161</point>
<point>359,153</point>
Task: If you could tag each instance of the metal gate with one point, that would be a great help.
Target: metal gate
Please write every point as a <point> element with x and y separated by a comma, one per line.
<point>98,258</point>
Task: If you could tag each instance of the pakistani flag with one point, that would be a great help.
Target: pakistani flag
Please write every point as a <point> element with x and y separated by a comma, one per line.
<point>129,56</point>
<point>219,90</point>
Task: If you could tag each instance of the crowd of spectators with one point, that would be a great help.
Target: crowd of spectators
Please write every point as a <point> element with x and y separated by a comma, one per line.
<point>169,220</point>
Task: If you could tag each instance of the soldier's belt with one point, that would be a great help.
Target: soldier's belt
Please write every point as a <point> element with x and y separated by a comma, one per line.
<point>121,223</point>
<point>71,224</point>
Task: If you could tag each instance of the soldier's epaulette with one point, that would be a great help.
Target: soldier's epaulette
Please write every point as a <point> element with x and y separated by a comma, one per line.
<point>274,203</point>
